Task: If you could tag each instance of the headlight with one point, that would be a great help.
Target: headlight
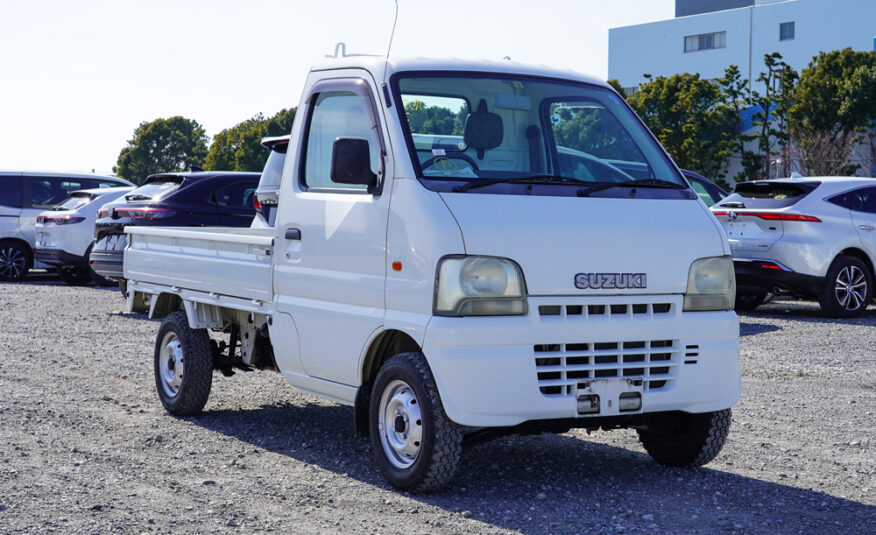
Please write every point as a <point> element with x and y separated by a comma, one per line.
<point>711,284</point>
<point>479,286</point>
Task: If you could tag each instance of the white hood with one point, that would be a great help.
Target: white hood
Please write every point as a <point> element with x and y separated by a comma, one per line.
<point>555,238</point>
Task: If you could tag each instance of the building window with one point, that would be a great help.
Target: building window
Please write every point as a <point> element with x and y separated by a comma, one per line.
<point>786,31</point>
<point>705,41</point>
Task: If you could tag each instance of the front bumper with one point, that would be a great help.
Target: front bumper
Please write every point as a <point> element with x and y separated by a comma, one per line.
<point>505,371</point>
<point>774,277</point>
<point>58,257</point>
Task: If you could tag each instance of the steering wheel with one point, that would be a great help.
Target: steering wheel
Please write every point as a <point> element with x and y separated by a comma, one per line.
<point>452,167</point>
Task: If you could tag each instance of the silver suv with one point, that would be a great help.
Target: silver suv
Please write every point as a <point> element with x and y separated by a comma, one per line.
<point>23,195</point>
<point>805,237</point>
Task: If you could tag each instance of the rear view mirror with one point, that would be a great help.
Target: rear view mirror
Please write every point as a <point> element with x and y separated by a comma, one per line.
<point>351,162</point>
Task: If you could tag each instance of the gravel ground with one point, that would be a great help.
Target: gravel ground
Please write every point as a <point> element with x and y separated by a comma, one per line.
<point>85,446</point>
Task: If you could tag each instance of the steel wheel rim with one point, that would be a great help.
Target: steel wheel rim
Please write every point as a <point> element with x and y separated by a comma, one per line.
<point>850,288</point>
<point>171,364</point>
<point>12,262</point>
<point>400,424</point>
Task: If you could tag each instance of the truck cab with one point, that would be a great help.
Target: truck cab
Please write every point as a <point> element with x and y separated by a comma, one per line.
<point>469,249</point>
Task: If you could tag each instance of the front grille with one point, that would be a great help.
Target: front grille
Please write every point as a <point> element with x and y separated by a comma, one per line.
<point>605,310</point>
<point>650,363</point>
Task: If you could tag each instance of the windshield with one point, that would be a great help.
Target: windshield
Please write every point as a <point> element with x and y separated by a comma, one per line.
<point>74,201</point>
<point>490,128</point>
<point>153,190</point>
<point>273,171</point>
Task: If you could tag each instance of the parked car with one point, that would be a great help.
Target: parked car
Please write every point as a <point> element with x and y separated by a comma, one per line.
<point>266,195</point>
<point>65,234</point>
<point>190,199</point>
<point>708,191</point>
<point>806,237</point>
<point>23,195</point>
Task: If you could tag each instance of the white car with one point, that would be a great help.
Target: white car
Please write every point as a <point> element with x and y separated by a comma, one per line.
<point>267,194</point>
<point>804,237</point>
<point>65,233</point>
<point>23,195</point>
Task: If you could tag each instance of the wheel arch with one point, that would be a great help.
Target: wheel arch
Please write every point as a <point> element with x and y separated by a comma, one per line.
<point>386,344</point>
<point>165,304</point>
<point>861,255</point>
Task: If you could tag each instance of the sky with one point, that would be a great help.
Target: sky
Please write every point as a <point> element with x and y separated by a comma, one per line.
<point>77,77</point>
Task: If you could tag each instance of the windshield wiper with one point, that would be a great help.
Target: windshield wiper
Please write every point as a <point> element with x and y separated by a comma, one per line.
<point>535,179</point>
<point>137,197</point>
<point>647,183</point>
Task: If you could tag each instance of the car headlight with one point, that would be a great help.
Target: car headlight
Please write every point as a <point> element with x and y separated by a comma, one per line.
<point>479,286</point>
<point>711,284</point>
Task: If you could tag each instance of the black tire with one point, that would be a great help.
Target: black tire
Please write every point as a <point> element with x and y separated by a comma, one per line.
<point>684,439</point>
<point>848,288</point>
<point>178,344</point>
<point>406,383</point>
<point>15,261</point>
<point>746,301</point>
<point>73,276</point>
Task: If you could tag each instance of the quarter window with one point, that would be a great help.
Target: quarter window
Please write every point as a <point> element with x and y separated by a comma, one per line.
<point>336,114</point>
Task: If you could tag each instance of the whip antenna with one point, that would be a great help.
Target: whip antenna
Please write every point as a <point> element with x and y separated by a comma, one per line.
<point>391,35</point>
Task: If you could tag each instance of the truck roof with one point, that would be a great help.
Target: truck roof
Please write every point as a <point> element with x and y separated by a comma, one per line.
<point>376,65</point>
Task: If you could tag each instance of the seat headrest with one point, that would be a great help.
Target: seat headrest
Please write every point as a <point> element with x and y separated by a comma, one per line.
<point>483,130</point>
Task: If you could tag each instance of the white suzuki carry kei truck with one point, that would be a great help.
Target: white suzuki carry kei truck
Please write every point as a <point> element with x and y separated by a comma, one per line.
<point>462,250</point>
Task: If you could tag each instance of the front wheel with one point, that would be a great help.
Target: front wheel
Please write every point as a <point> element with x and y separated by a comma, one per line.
<point>848,288</point>
<point>748,301</point>
<point>684,439</point>
<point>183,366</point>
<point>73,276</point>
<point>416,445</point>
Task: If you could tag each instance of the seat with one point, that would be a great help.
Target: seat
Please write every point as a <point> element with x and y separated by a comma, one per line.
<point>483,130</point>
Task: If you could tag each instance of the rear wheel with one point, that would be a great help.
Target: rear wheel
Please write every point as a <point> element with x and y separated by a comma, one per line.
<point>15,261</point>
<point>183,366</point>
<point>73,276</point>
<point>749,300</point>
<point>848,288</point>
<point>416,445</point>
<point>684,439</point>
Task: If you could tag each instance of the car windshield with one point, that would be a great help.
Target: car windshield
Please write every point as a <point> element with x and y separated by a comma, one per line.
<point>74,201</point>
<point>153,189</point>
<point>488,128</point>
<point>273,171</point>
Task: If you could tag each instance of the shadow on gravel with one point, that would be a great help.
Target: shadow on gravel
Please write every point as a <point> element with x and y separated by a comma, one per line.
<point>807,312</point>
<point>558,483</point>
<point>749,329</point>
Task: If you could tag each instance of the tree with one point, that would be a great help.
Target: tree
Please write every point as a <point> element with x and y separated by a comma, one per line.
<point>162,145</point>
<point>736,100</point>
<point>436,120</point>
<point>682,111</point>
<point>835,105</point>
<point>239,148</point>
<point>771,119</point>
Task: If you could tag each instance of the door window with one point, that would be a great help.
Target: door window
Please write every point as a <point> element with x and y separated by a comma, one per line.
<point>236,195</point>
<point>864,200</point>
<point>336,114</point>
<point>10,191</point>
<point>49,191</point>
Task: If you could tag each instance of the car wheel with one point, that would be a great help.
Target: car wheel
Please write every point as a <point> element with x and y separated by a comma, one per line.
<point>73,276</point>
<point>15,261</point>
<point>848,288</point>
<point>416,445</point>
<point>684,439</point>
<point>183,366</point>
<point>748,301</point>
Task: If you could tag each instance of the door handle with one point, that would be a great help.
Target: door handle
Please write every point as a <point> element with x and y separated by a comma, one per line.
<point>867,227</point>
<point>293,234</point>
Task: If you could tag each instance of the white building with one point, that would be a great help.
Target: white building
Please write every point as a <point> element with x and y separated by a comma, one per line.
<point>709,35</point>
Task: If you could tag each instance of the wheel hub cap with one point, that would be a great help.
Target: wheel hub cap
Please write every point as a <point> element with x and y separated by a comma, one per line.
<point>11,262</point>
<point>851,288</point>
<point>171,364</point>
<point>400,424</point>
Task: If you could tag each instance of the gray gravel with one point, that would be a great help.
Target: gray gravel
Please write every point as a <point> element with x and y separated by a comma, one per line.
<point>85,446</point>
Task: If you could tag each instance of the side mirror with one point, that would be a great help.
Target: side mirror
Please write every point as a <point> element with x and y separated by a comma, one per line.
<point>351,162</point>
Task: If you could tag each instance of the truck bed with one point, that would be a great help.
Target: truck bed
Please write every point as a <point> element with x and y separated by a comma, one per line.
<point>218,261</point>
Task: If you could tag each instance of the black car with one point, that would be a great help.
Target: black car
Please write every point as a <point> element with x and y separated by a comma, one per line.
<point>192,199</point>
<point>708,191</point>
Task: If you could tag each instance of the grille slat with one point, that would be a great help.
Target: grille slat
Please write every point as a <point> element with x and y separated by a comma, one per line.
<point>651,362</point>
<point>603,311</point>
